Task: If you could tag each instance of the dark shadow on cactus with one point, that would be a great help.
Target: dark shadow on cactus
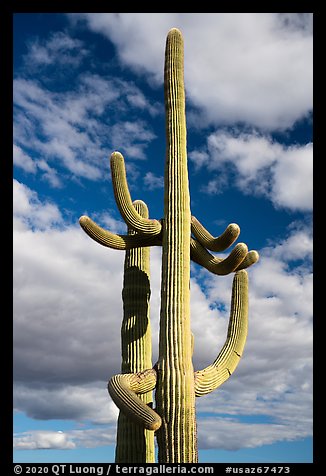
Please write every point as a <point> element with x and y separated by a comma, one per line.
<point>136,294</point>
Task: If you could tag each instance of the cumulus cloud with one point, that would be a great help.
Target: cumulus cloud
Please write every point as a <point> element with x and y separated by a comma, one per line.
<point>30,210</point>
<point>44,440</point>
<point>66,313</point>
<point>233,434</point>
<point>257,66</point>
<point>89,402</point>
<point>260,166</point>
<point>67,440</point>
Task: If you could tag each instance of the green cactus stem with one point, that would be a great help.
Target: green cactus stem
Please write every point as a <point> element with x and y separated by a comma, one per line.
<point>219,243</point>
<point>175,396</point>
<point>220,370</point>
<point>135,444</point>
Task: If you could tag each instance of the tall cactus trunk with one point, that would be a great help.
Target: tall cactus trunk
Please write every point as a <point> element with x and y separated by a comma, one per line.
<point>135,444</point>
<point>175,397</point>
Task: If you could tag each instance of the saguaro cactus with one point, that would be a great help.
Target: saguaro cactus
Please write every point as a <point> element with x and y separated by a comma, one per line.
<point>182,238</point>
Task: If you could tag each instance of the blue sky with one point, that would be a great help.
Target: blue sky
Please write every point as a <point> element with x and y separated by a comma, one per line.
<point>88,84</point>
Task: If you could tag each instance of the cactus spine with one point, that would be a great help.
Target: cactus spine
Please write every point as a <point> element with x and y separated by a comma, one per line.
<point>183,238</point>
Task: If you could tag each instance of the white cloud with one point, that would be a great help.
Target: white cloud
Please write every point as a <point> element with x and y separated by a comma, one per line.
<point>109,223</point>
<point>293,179</point>
<point>28,164</point>
<point>251,67</point>
<point>298,246</point>
<point>233,435</point>
<point>21,159</point>
<point>68,440</point>
<point>29,209</point>
<point>152,181</point>
<point>262,166</point>
<point>45,440</point>
<point>89,402</point>
<point>72,126</point>
<point>131,137</point>
<point>59,48</point>
<point>44,117</point>
<point>49,174</point>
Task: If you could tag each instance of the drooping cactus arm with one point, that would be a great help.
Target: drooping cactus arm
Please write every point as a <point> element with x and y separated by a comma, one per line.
<point>238,259</point>
<point>117,242</point>
<point>251,258</point>
<point>128,242</point>
<point>123,389</point>
<point>219,243</point>
<point>214,375</point>
<point>216,265</point>
<point>123,199</point>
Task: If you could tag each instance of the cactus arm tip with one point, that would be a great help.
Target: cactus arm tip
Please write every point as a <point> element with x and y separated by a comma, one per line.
<point>239,258</point>
<point>141,208</point>
<point>114,241</point>
<point>123,199</point>
<point>214,375</point>
<point>174,33</point>
<point>219,243</point>
<point>123,389</point>
<point>216,265</point>
<point>251,258</point>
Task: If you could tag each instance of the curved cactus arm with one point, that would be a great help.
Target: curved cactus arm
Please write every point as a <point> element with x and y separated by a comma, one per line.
<point>219,243</point>
<point>123,389</point>
<point>251,258</point>
<point>123,199</point>
<point>214,375</point>
<point>215,265</point>
<point>117,242</point>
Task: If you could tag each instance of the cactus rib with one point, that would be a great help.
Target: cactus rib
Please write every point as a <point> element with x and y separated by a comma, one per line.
<point>117,242</point>
<point>123,389</point>
<point>123,199</point>
<point>219,243</point>
<point>214,375</point>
